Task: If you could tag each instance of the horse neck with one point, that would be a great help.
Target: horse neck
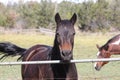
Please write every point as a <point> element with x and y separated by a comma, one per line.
<point>115,51</point>
<point>55,54</point>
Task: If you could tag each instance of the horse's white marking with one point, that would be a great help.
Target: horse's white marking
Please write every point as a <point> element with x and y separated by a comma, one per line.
<point>116,42</point>
<point>95,64</point>
<point>98,53</point>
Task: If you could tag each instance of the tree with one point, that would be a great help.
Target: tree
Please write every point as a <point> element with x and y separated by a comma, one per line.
<point>3,17</point>
<point>46,13</point>
<point>93,16</point>
<point>115,13</point>
<point>37,14</point>
<point>67,9</point>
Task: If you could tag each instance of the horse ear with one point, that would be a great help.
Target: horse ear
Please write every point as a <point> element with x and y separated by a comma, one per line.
<point>97,46</point>
<point>73,19</point>
<point>57,18</point>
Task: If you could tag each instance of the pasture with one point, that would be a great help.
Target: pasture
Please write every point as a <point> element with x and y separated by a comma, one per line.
<point>84,48</point>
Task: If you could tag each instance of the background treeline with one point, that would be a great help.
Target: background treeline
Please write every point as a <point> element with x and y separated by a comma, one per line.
<point>99,15</point>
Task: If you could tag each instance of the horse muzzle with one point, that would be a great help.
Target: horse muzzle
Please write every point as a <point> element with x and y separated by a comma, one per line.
<point>66,55</point>
<point>97,67</point>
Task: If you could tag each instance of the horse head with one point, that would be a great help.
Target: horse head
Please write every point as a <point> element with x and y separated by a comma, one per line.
<point>102,53</point>
<point>64,37</point>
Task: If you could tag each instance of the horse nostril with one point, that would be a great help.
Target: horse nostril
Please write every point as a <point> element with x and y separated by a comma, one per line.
<point>66,53</point>
<point>95,68</point>
<point>63,53</point>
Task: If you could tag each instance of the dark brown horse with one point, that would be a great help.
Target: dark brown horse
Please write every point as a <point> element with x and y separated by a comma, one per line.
<point>61,50</point>
<point>112,47</point>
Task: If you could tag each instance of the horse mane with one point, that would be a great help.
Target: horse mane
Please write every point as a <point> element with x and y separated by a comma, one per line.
<point>113,39</point>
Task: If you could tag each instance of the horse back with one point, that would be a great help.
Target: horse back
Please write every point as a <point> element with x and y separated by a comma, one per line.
<point>37,71</point>
<point>38,52</point>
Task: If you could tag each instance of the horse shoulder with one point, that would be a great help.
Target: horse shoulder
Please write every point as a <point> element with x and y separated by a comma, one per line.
<point>37,53</point>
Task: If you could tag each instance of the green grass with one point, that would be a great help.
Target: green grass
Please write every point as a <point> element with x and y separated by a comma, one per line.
<point>84,48</point>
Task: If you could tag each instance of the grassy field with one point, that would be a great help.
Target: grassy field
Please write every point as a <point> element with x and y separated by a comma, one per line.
<point>84,48</point>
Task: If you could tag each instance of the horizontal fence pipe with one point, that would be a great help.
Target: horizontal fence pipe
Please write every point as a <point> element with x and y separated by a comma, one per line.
<point>58,61</point>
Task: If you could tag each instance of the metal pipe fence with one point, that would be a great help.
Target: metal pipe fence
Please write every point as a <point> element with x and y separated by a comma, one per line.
<point>58,61</point>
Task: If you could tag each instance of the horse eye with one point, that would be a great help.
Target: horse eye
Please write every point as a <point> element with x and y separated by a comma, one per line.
<point>73,33</point>
<point>57,34</point>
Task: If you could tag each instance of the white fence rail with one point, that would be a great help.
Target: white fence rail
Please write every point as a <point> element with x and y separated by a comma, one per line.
<point>58,61</point>
<point>17,31</point>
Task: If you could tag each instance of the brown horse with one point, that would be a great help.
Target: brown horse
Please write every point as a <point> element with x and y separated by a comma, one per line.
<point>61,50</point>
<point>112,47</point>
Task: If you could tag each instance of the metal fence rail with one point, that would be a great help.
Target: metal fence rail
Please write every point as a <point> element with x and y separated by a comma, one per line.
<point>58,61</point>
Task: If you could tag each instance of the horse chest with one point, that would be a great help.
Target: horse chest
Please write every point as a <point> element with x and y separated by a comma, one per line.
<point>64,72</point>
<point>59,70</point>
